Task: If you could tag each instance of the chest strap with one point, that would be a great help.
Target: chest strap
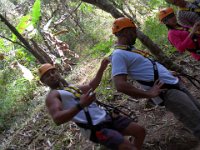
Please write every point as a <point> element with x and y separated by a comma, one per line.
<point>77,93</point>
<point>197,10</point>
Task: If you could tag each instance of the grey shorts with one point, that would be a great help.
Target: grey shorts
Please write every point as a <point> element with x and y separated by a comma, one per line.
<point>110,134</point>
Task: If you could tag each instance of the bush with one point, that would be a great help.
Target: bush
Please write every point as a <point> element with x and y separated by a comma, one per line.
<point>15,93</point>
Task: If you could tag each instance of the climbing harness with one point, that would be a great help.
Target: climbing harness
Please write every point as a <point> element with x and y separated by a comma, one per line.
<point>77,93</point>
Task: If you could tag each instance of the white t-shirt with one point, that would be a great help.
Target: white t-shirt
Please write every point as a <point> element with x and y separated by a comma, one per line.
<point>97,114</point>
<point>138,67</point>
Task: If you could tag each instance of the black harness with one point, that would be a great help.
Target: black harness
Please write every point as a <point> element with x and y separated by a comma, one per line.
<point>156,76</point>
<point>109,109</point>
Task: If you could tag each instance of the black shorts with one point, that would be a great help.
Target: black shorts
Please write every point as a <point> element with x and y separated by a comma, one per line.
<point>110,133</point>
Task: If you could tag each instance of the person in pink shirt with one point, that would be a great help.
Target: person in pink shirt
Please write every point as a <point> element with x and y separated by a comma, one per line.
<point>184,39</point>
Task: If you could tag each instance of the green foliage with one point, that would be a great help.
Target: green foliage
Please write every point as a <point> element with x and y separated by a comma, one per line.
<point>15,93</point>
<point>24,56</point>
<point>106,89</point>
<point>86,8</point>
<point>154,4</point>
<point>28,19</point>
<point>158,33</point>
<point>36,12</point>
<point>3,48</point>
<point>23,24</point>
<point>102,47</point>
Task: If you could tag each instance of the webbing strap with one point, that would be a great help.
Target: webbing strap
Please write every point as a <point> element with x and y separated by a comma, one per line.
<point>77,93</point>
<point>183,29</point>
<point>130,48</point>
<point>74,90</point>
<point>155,69</point>
<point>190,9</point>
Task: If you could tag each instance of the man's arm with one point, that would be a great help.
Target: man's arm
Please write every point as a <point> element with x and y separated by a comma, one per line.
<point>58,114</point>
<point>94,83</point>
<point>123,86</point>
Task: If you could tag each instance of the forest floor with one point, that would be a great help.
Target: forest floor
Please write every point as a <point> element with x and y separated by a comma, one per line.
<point>36,131</point>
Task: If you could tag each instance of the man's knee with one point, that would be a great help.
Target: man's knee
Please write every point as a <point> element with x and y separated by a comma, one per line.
<point>137,130</point>
<point>126,145</point>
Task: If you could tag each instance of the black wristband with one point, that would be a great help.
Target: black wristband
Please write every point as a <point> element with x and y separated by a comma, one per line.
<point>79,106</point>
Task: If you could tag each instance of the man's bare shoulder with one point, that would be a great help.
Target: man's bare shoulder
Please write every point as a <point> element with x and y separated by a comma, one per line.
<point>52,95</point>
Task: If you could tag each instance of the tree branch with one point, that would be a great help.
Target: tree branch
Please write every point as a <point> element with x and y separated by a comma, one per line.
<point>13,41</point>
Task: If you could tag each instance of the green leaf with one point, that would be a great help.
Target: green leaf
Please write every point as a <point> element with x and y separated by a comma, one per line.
<point>23,24</point>
<point>36,12</point>
<point>85,8</point>
<point>2,45</point>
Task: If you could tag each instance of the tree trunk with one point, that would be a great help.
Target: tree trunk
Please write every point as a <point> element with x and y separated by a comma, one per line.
<point>154,48</point>
<point>40,57</point>
<point>43,54</point>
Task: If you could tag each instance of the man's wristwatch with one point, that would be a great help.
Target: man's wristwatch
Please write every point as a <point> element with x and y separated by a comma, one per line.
<point>79,106</point>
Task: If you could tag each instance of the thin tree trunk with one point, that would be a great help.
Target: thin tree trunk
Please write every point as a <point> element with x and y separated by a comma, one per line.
<point>43,54</point>
<point>37,54</point>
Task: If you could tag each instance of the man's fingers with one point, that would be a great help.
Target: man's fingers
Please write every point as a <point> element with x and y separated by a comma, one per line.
<point>158,83</point>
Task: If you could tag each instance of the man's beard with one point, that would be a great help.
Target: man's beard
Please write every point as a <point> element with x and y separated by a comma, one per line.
<point>132,42</point>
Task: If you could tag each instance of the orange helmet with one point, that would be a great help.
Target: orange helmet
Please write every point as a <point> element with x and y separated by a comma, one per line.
<point>122,23</point>
<point>164,13</point>
<point>44,68</point>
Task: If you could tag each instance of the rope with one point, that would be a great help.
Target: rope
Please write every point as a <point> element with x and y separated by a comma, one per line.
<point>192,79</point>
<point>116,110</point>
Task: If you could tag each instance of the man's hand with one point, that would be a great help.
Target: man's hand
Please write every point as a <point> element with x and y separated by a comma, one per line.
<point>156,89</point>
<point>104,63</point>
<point>195,28</point>
<point>88,98</point>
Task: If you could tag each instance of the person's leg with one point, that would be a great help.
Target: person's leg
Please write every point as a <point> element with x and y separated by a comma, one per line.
<point>114,140</point>
<point>184,109</point>
<point>138,132</point>
<point>126,126</point>
<point>184,89</point>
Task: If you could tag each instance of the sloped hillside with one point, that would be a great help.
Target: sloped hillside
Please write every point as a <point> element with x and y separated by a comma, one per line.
<point>38,132</point>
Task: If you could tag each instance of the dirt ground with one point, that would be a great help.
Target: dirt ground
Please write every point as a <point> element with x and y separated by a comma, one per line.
<point>38,132</point>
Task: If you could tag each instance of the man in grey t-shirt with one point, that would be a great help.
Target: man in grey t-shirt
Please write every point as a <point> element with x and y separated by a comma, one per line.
<point>68,103</point>
<point>126,61</point>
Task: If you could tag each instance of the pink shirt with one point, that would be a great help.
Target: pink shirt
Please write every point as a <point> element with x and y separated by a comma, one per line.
<point>181,40</point>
